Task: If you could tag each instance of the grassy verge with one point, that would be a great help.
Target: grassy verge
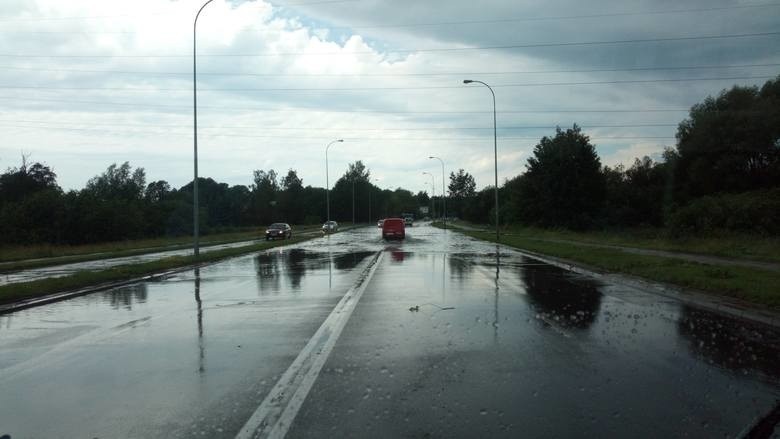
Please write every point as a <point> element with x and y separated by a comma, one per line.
<point>13,258</point>
<point>730,245</point>
<point>26,290</point>
<point>753,285</point>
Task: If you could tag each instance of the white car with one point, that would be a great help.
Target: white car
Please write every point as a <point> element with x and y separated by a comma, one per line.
<point>330,227</point>
<point>408,221</point>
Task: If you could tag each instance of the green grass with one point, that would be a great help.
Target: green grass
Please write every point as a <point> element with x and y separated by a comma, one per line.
<point>729,245</point>
<point>82,279</point>
<point>753,285</point>
<point>15,258</point>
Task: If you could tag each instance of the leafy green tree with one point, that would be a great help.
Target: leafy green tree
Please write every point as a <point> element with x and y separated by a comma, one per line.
<point>355,179</point>
<point>313,201</point>
<point>38,217</point>
<point>479,208</point>
<point>118,183</point>
<point>401,201</point>
<point>730,143</point>
<point>462,185</point>
<point>30,205</point>
<point>291,181</point>
<point>17,183</point>
<point>358,172</point>
<point>563,185</point>
<point>157,191</point>
<point>290,199</point>
<point>264,196</point>
<point>110,207</point>
<point>462,190</point>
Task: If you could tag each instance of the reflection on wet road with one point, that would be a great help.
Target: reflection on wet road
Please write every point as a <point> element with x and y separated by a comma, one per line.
<point>451,338</point>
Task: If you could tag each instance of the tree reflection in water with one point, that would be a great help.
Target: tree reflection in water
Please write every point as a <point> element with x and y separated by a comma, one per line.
<point>557,294</point>
<point>293,264</point>
<point>125,297</point>
<point>460,266</point>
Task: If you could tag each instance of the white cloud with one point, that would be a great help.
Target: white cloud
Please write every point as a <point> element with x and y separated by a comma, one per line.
<point>393,130</point>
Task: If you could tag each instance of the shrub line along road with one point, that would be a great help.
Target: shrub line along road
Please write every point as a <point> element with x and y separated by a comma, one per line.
<point>691,257</point>
<point>440,335</point>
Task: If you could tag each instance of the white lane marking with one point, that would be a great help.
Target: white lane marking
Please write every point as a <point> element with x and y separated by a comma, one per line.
<point>275,415</point>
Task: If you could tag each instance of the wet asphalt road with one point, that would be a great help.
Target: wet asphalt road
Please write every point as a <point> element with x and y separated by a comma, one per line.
<point>500,346</point>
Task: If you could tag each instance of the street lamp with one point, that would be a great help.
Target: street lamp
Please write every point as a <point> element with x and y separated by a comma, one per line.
<point>433,194</point>
<point>443,193</point>
<point>495,145</point>
<point>327,181</point>
<point>195,207</point>
<point>370,186</point>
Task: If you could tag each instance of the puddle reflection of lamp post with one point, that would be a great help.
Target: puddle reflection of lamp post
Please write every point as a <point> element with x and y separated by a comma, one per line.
<point>201,346</point>
<point>495,303</point>
<point>495,145</point>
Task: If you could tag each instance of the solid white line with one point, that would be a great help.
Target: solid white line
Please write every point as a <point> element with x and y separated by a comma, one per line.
<point>275,415</point>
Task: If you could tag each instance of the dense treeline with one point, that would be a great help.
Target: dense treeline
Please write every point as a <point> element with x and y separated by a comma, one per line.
<point>723,174</point>
<point>119,204</point>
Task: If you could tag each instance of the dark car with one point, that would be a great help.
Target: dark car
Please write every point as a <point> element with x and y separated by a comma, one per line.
<point>330,227</point>
<point>393,228</point>
<point>278,230</point>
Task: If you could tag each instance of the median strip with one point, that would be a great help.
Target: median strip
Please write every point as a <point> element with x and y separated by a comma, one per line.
<point>25,294</point>
<point>117,250</point>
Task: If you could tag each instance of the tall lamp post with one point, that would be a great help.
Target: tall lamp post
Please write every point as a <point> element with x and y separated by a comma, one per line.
<point>443,193</point>
<point>327,181</point>
<point>495,145</point>
<point>195,207</point>
<point>433,194</point>
<point>369,198</point>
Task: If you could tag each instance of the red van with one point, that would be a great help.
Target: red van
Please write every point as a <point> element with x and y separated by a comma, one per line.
<point>393,228</point>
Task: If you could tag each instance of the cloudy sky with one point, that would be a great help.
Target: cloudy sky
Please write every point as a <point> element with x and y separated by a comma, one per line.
<point>87,83</point>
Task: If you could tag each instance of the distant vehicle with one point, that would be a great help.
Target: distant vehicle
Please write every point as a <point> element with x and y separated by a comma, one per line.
<point>278,230</point>
<point>408,221</point>
<point>393,228</point>
<point>379,223</point>
<point>330,227</point>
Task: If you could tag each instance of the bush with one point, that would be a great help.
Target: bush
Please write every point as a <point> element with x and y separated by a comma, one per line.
<point>756,211</point>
